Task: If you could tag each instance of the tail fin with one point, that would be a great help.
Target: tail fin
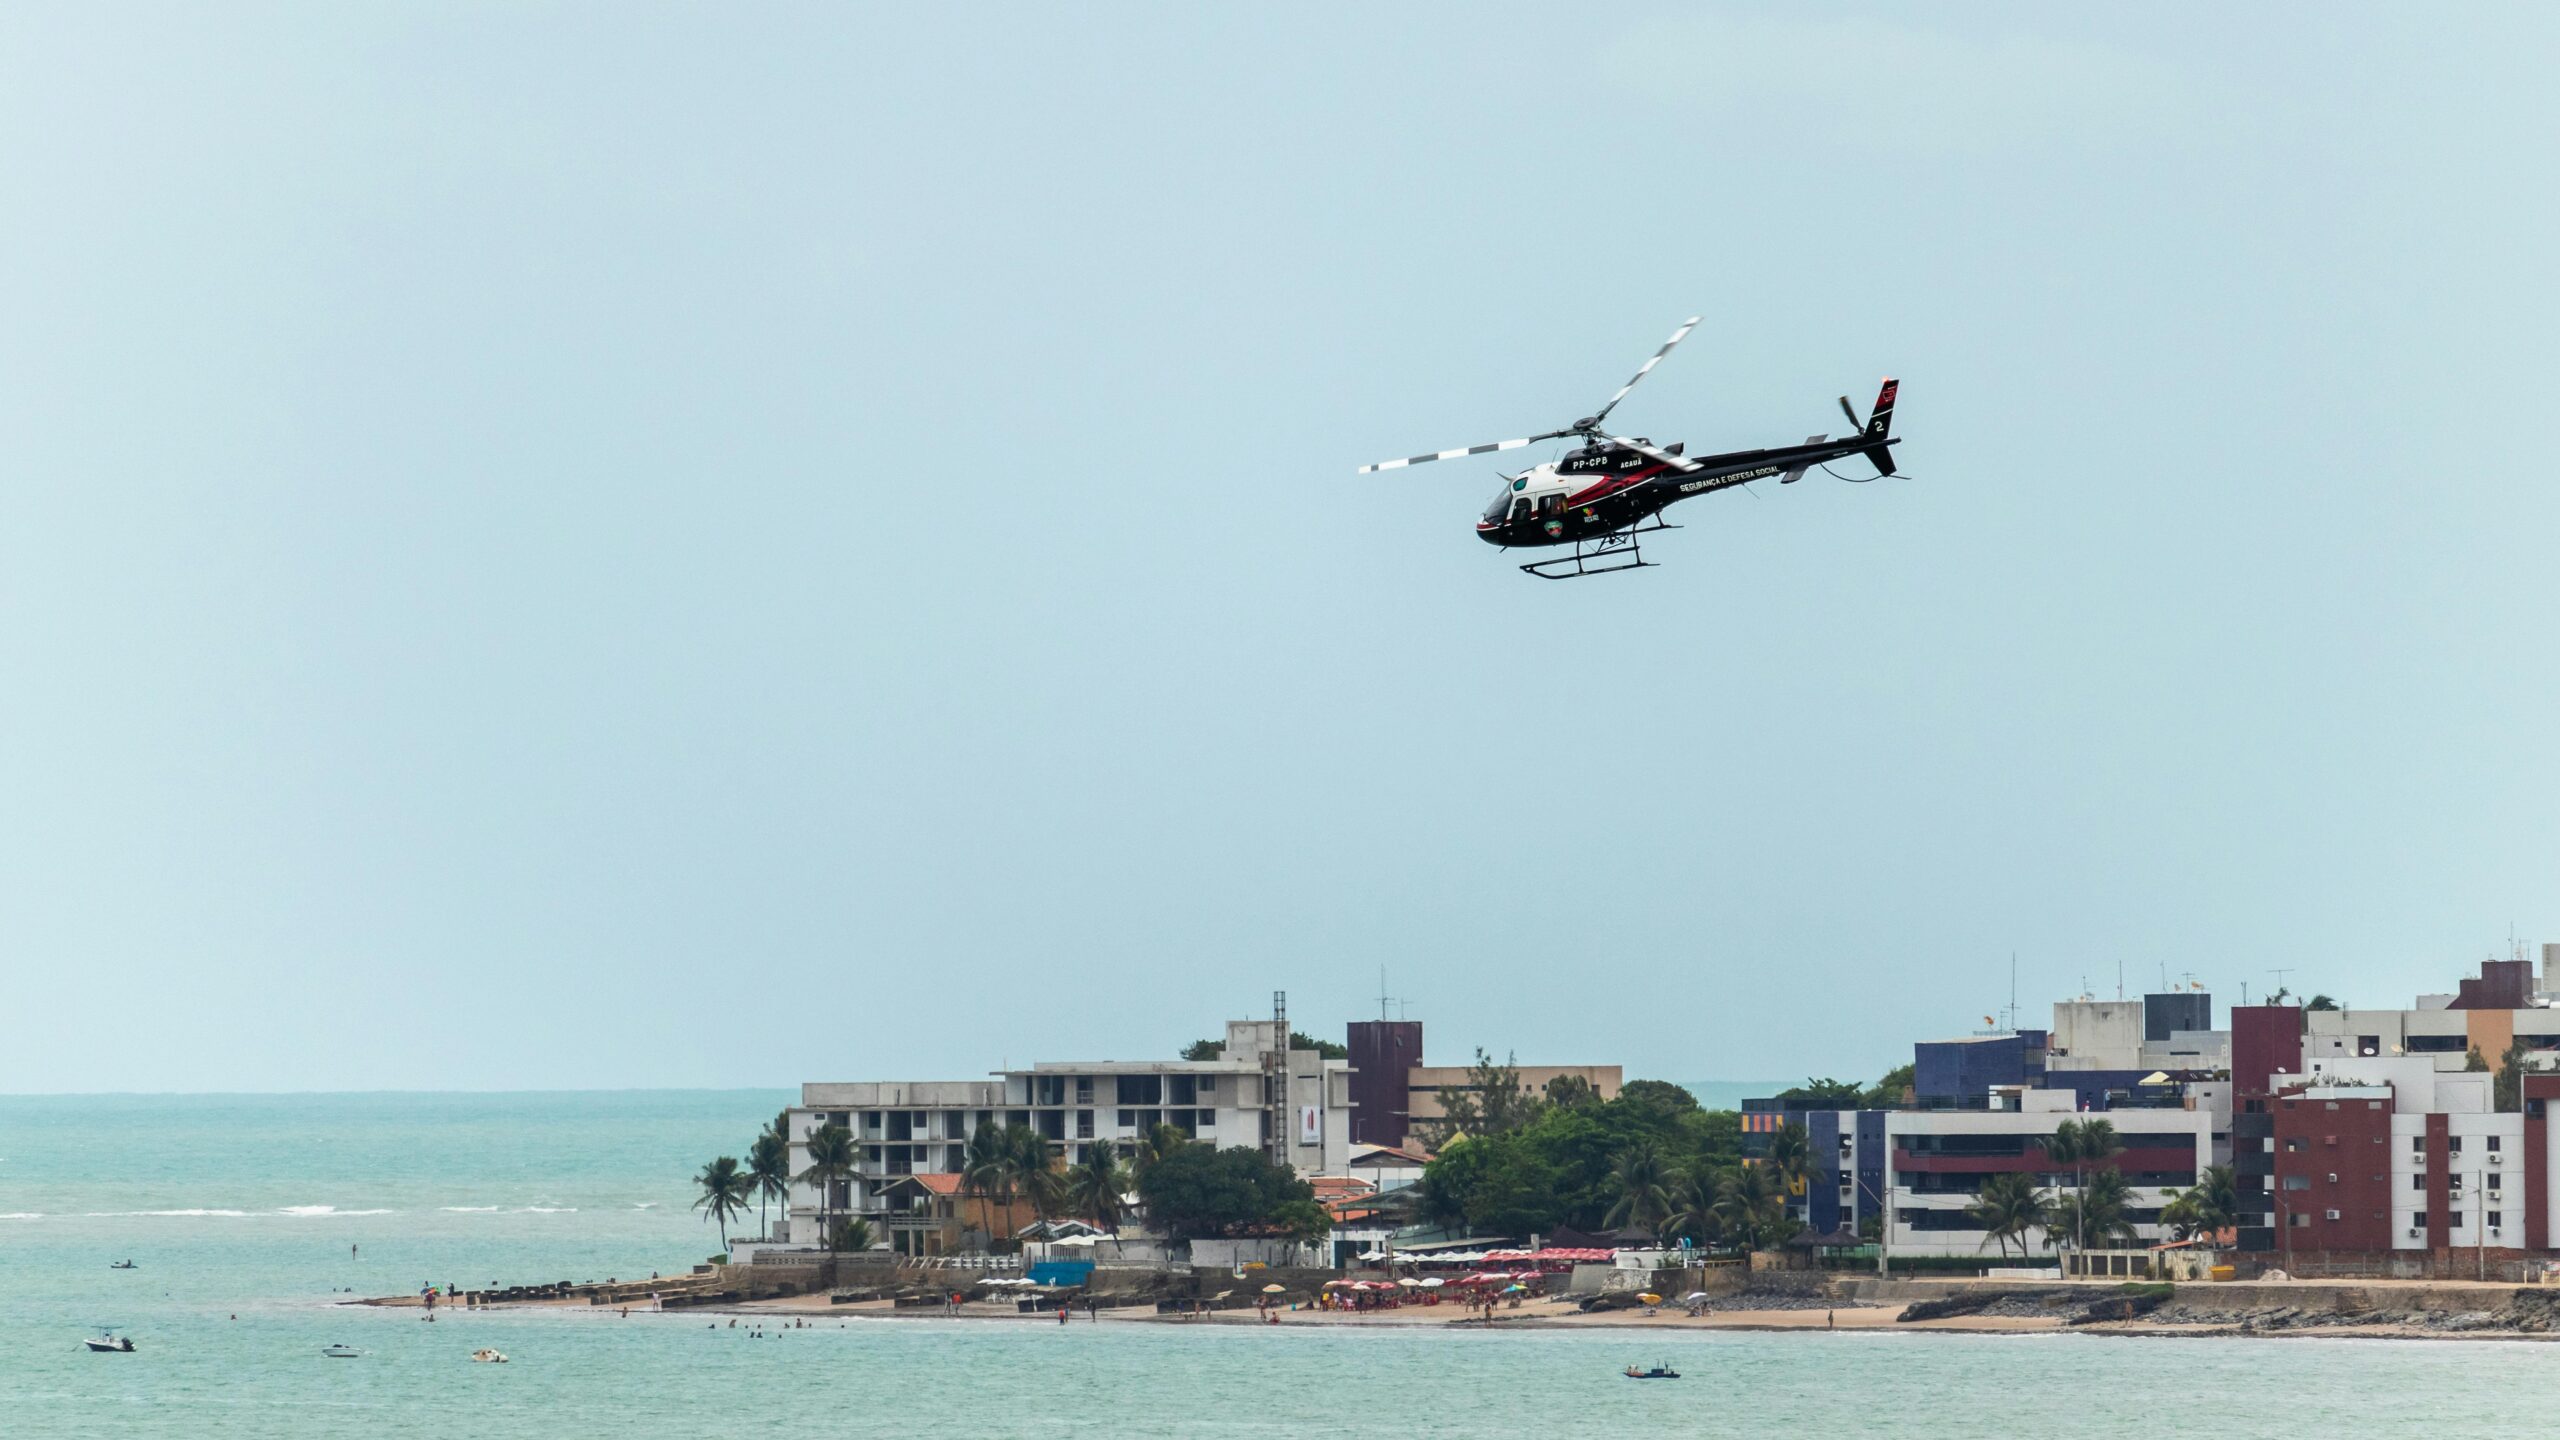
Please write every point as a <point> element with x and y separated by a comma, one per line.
<point>1879,426</point>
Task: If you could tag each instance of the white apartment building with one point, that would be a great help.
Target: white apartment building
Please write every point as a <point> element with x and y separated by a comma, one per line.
<point>1293,1104</point>
<point>1940,1158</point>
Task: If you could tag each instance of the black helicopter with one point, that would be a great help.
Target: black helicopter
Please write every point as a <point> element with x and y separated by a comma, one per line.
<point>1600,496</point>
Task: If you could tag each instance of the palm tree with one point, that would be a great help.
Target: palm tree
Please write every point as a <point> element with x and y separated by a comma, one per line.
<point>1159,1141</point>
<point>1095,1187</point>
<point>2100,1209</point>
<point>986,1169</point>
<point>832,1158</point>
<point>1689,1208</point>
<point>1028,1171</point>
<point>724,1190</point>
<point>768,1175</point>
<point>854,1234</point>
<point>2080,1144</point>
<point>2211,1204</point>
<point>2009,1205</point>
<point>1643,1180</point>
<point>1749,1204</point>
<point>1792,1153</point>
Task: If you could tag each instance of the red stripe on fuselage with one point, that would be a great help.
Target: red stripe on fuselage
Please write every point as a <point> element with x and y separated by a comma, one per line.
<point>1612,485</point>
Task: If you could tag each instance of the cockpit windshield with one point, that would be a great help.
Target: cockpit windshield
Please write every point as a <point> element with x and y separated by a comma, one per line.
<point>1501,502</point>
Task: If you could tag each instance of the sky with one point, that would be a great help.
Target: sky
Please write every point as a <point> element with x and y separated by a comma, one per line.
<point>614,546</point>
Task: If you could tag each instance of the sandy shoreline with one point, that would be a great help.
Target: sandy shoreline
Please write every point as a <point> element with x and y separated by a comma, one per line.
<point>813,1309</point>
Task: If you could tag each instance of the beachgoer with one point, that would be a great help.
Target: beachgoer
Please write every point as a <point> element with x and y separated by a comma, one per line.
<point>1830,1320</point>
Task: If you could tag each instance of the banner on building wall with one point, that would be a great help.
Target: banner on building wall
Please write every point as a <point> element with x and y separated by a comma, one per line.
<point>1310,1124</point>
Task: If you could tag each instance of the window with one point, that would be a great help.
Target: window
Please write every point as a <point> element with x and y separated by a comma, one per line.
<point>2332,1105</point>
<point>1084,1124</point>
<point>2497,1218</point>
<point>1208,1087</point>
<point>2300,1220</point>
<point>2493,1184</point>
<point>2297,1182</point>
<point>2293,1145</point>
<point>2493,1144</point>
<point>1084,1089</point>
<point>1128,1118</point>
<point>2454,1219</point>
<point>1141,1089</point>
<point>2453,1145</point>
<point>2418,1220</point>
<point>2417,1182</point>
<point>2418,1144</point>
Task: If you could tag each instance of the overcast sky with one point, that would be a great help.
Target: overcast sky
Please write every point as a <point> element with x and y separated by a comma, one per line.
<point>619,546</point>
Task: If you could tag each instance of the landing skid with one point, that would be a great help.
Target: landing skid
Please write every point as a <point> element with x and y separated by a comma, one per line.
<point>1607,555</point>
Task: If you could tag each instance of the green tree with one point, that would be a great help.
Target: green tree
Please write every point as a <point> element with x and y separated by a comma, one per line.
<point>1326,1049</point>
<point>724,1188</point>
<point>1093,1188</point>
<point>1689,1208</point>
<point>852,1233</point>
<point>1491,1102</point>
<point>2474,1062</point>
<point>2321,1002</point>
<point>1210,1190</point>
<point>1751,1207</point>
<point>1029,1169</point>
<point>1204,1050</point>
<point>2209,1205</point>
<point>1889,1092</point>
<point>768,1175</point>
<point>986,1172</point>
<point>2510,1082</point>
<point>2008,1207</point>
<point>833,1157</point>
<point>1659,1096</point>
<point>1159,1141</point>
<point>1304,1221</point>
<point>1823,1095</point>
<point>1791,1154</point>
<point>1571,1092</point>
<point>2099,1211</point>
<point>2081,1144</point>
<point>1644,1182</point>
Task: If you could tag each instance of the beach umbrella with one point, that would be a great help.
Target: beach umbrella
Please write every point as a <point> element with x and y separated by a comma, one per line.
<point>1274,1289</point>
<point>1433,1283</point>
<point>1410,1283</point>
<point>1693,1297</point>
<point>1507,1289</point>
<point>1647,1297</point>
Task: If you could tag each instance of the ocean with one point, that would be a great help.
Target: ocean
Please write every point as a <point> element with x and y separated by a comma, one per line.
<point>240,1212</point>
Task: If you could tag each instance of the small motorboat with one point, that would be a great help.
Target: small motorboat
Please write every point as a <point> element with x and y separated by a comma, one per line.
<point>122,1265</point>
<point>110,1345</point>
<point>489,1357</point>
<point>1658,1372</point>
<point>342,1352</point>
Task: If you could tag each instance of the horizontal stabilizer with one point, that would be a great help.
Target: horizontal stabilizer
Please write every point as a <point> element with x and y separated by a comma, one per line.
<point>1796,472</point>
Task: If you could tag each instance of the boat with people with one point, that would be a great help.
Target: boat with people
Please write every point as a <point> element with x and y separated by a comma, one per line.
<point>487,1356</point>
<point>1658,1372</point>
<point>109,1344</point>
<point>341,1352</point>
<point>123,1265</point>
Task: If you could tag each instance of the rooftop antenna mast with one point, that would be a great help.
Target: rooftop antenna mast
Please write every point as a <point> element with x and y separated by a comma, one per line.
<point>2119,979</point>
<point>2281,971</point>
<point>1275,1078</point>
<point>2013,989</point>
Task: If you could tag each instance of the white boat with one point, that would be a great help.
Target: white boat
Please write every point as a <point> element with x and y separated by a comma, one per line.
<point>489,1357</point>
<point>342,1352</point>
<point>110,1345</point>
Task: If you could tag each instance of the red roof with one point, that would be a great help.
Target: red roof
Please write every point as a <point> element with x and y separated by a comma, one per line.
<point>938,1184</point>
<point>1336,1187</point>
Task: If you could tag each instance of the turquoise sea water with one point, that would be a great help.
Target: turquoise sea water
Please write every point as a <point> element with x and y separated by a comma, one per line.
<point>219,1200</point>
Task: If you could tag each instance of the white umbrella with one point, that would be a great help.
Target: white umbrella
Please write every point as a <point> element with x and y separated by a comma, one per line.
<point>1372,1255</point>
<point>1410,1283</point>
<point>1434,1283</point>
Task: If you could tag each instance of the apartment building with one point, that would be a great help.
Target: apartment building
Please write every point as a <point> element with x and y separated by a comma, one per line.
<point>1292,1104</point>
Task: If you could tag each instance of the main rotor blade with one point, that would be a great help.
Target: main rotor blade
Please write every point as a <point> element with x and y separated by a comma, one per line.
<point>1676,337</point>
<point>1454,454</point>
<point>1665,456</point>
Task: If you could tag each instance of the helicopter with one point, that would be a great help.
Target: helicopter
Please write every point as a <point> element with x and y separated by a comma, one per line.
<point>1607,491</point>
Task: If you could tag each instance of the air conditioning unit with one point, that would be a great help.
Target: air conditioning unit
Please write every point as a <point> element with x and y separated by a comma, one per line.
<point>2333,1214</point>
<point>2415,1232</point>
<point>2497,1159</point>
<point>2497,1230</point>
